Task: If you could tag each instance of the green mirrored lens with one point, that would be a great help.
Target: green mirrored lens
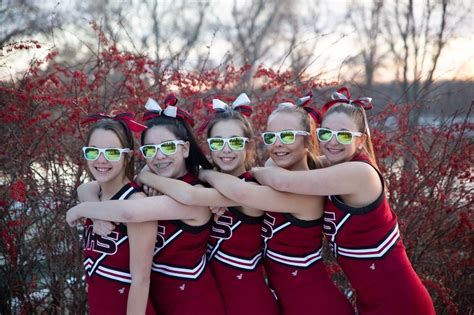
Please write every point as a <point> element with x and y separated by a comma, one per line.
<point>91,153</point>
<point>344,137</point>
<point>287,137</point>
<point>216,144</point>
<point>269,138</point>
<point>112,154</point>
<point>324,135</point>
<point>236,143</point>
<point>168,148</point>
<point>149,151</point>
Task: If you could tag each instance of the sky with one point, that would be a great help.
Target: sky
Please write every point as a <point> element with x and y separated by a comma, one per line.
<point>330,55</point>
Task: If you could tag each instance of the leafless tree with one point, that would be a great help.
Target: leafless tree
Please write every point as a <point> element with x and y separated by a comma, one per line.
<point>23,18</point>
<point>417,34</point>
<point>366,21</point>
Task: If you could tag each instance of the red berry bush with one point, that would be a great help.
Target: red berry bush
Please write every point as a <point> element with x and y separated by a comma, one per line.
<point>428,169</point>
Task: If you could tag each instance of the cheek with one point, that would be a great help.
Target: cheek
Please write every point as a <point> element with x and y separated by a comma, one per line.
<point>214,155</point>
<point>298,146</point>
<point>89,165</point>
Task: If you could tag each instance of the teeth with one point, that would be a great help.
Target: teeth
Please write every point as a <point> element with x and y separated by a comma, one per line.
<point>100,169</point>
<point>162,165</point>
<point>227,159</point>
<point>280,153</point>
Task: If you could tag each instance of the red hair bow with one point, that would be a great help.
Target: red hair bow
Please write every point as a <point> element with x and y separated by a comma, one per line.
<point>241,104</point>
<point>127,118</point>
<point>344,96</point>
<point>304,102</point>
<point>155,110</point>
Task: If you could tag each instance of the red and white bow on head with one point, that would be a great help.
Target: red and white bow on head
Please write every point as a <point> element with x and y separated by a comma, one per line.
<point>241,103</point>
<point>304,103</point>
<point>344,96</point>
<point>127,118</point>
<point>155,110</point>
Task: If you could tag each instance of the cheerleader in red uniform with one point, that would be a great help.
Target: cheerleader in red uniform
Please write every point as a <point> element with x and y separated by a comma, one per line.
<point>292,226</point>
<point>235,246</point>
<point>358,222</point>
<point>117,265</point>
<point>181,281</point>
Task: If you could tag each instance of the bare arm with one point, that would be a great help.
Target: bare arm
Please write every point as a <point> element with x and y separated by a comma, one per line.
<point>140,210</point>
<point>357,182</point>
<point>142,238</point>
<point>264,197</point>
<point>90,192</point>
<point>184,192</point>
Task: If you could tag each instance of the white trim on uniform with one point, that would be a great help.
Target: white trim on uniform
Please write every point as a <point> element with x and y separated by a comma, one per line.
<point>246,264</point>
<point>373,252</point>
<point>295,261</point>
<point>187,273</point>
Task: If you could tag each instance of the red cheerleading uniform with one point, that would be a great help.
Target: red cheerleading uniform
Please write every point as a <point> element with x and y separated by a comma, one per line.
<point>107,265</point>
<point>367,244</point>
<point>235,255</point>
<point>295,269</point>
<point>181,282</point>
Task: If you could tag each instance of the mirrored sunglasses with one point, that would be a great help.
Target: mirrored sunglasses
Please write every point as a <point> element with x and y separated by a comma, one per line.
<point>167,148</point>
<point>235,143</point>
<point>110,154</point>
<point>342,136</point>
<point>285,136</point>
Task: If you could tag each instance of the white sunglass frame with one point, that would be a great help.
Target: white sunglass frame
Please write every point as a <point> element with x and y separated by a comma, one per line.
<point>278,135</point>
<point>334,133</point>
<point>158,147</point>
<point>226,142</point>
<point>102,151</point>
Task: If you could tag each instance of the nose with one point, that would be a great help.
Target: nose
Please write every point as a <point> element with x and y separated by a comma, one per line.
<point>101,157</point>
<point>226,148</point>
<point>278,142</point>
<point>160,155</point>
<point>333,140</point>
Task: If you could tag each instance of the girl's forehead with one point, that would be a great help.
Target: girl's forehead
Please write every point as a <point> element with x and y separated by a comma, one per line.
<point>284,120</point>
<point>158,133</point>
<point>103,138</point>
<point>227,128</point>
<point>338,121</point>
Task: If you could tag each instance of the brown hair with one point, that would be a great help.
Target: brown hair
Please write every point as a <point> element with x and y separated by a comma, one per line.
<point>126,140</point>
<point>309,125</point>
<point>357,115</point>
<point>231,114</point>
<point>182,130</point>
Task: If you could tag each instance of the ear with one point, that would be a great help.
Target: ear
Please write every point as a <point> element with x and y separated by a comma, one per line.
<point>250,146</point>
<point>361,141</point>
<point>186,147</point>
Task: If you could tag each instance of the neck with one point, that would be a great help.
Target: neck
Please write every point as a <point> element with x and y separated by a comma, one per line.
<point>237,171</point>
<point>182,173</point>
<point>110,188</point>
<point>300,166</point>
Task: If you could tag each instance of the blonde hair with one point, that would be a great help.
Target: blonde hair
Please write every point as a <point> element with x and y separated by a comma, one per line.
<point>357,115</point>
<point>309,125</point>
<point>231,114</point>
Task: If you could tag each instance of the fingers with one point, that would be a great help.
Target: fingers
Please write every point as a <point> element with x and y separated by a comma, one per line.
<point>71,219</point>
<point>218,211</point>
<point>102,228</point>
<point>150,192</point>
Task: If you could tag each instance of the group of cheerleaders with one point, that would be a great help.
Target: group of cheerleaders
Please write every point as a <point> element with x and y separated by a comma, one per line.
<point>226,238</point>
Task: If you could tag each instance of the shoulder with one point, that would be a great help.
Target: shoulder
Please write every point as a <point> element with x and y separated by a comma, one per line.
<point>137,195</point>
